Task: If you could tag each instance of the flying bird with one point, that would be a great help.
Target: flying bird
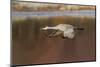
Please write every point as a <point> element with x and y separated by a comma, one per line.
<point>67,30</point>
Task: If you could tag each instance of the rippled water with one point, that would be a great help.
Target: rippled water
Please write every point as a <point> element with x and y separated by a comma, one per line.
<point>32,46</point>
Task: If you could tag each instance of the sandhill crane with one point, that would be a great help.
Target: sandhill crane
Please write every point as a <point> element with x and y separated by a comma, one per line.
<point>67,30</point>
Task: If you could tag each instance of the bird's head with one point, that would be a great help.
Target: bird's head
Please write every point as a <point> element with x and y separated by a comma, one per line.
<point>45,28</point>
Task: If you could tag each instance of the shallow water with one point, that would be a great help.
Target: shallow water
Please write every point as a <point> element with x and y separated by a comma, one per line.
<point>32,46</point>
<point>89,13</point>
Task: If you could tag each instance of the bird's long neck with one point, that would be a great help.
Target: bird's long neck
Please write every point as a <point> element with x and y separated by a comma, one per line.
<point>52,28</point>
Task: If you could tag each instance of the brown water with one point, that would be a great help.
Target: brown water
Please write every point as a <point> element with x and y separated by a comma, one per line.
<point>32,46</point>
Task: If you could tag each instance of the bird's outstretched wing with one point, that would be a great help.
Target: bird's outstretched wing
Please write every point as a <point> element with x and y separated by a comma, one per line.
<point>55,33</point>
<point>69,33</point>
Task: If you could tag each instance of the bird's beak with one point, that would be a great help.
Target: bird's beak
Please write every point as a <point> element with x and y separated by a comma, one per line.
<point>42,29</point>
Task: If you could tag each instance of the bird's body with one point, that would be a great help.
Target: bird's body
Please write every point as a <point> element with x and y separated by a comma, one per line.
<point>66,29</point>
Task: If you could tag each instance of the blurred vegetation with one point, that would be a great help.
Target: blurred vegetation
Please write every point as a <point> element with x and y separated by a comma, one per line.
<point>31,6</point>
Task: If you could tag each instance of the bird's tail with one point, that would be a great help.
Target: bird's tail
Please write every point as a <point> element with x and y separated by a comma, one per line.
<point>79,28</point>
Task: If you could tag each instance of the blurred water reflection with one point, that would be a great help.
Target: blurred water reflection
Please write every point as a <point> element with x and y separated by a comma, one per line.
<point>32,46</point>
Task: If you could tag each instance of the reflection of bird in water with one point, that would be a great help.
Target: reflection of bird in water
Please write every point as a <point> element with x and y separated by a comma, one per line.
<point>66,29</point>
